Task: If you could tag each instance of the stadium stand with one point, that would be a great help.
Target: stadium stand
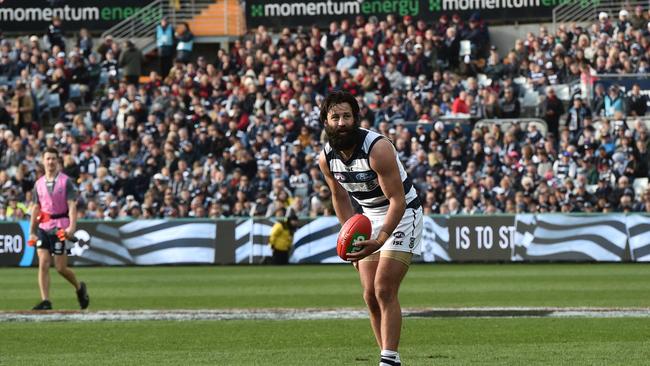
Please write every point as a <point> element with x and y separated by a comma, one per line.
<point>479,133</point>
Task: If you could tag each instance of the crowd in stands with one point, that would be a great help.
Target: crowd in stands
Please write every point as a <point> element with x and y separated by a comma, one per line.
<point>240,135</point>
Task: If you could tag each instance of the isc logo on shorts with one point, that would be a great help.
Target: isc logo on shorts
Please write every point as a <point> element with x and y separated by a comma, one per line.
<point>398,235</point>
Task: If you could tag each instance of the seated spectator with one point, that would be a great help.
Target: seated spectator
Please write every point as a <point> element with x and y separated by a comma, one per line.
<point>637,102</point>
<point>509,106</point>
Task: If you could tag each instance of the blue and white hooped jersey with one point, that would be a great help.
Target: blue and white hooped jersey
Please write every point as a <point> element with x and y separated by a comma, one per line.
<point>357,177</point>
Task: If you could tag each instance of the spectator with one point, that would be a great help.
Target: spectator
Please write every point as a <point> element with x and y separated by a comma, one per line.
<point>638,19</point>
<point>598,100</point>
<point>348,61</point>
<point>85,42</point>
<point>105,46</point>
<point>131,62</point>
<point>552,108</point>
<point>261,205</point>
<point>185,42</point>
<point>637,102</point>
<point>41,94</point>
<point>22,107</point>
<point>459,105</point>
<point>55,34</point>
<point>614,101</point>
<point>165,44</point>
<point>7,66</point>
<point>576,116</point>
<point>450,49</point>
<point>623,24</point>
<point>509,106</point>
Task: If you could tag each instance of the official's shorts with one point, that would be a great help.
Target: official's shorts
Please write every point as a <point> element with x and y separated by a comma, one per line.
<point>406,237</point>
<point>50,242</point>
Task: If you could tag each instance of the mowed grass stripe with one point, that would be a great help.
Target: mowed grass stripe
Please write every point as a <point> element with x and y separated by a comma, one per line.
<point>333,286</point>
<point>325,342</point>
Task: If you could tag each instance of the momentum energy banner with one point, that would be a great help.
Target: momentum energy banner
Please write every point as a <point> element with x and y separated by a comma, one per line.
<point>278,13</point>
<point>34,16</point>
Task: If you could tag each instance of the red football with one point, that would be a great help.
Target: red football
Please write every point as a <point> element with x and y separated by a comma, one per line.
<point>356,229</point>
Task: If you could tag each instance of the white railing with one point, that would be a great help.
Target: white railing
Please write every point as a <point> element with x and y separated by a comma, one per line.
<point>578,12</point>
<point>140,27</point>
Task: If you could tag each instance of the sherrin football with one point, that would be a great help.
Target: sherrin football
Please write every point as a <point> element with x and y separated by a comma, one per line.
<point>356,229</point>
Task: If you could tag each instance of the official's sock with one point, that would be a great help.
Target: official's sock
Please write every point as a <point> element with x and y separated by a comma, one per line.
<point>389,358</point>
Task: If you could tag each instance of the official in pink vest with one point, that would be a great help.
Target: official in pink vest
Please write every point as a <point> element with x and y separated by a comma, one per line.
<point>53,220</point>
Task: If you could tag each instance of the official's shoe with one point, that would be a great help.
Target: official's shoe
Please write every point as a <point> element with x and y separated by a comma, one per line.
<point>82,296</point>
<point>43,305</point>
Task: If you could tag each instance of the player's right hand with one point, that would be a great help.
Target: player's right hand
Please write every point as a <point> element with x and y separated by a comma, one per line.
<point>368,247</point>
<point>32,240</point>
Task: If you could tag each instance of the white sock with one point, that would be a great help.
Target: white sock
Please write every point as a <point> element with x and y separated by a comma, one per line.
<point>391,355</point>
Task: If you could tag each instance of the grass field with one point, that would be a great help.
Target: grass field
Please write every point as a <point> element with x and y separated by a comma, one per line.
<point>425,341</point>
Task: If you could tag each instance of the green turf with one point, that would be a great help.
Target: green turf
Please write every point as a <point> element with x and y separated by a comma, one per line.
<point>332,342</point>
<point>454,341</point>
<point>607,285</point>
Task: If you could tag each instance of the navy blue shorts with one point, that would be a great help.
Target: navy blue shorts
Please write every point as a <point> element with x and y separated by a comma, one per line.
<point>49,241</point>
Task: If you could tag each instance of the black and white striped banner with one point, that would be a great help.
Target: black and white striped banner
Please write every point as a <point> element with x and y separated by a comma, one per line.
<point>148,242</point>
<point>435,240</point>
<point>252,240</point>
<point>559,237</point>
<point>638,227</point>
<point>523,238</point>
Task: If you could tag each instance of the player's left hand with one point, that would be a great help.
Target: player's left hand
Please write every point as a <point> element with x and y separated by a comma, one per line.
<point>367,247</point>
<point>69,234</point>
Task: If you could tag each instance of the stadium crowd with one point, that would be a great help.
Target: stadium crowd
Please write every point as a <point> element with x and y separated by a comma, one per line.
<point>240,136</point>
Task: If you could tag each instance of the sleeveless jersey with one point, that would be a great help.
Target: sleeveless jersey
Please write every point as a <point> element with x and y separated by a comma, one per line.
<point>357,177</point>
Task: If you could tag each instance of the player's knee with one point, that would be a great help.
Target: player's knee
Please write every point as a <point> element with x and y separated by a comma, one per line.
<point>61,268</point>
<point>385,293</point>
<point>44,263</point>
<point>370,298</point>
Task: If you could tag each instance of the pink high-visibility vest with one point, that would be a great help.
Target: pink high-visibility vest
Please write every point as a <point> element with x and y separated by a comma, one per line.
<point>54,203</point>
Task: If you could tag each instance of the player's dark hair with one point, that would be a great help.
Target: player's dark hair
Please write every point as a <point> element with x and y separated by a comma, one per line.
<point>339,97</point>
<point>51,150</point>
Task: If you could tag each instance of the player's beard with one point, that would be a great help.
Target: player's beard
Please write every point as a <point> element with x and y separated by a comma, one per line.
<point>342,138</point>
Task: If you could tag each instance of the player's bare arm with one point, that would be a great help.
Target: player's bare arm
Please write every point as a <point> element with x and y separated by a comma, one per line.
<point>340,197</point>
<point>33,222</point>
<point>72,215</point>
<point>382,161</point>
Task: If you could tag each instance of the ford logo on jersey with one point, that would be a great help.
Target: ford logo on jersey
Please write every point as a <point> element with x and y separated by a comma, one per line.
<point>365,176</point>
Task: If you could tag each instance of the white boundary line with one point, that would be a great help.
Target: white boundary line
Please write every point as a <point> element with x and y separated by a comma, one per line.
<point>315,314</point>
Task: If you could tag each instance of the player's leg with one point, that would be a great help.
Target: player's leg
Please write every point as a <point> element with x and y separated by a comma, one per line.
<point>367,268</point>
<point>390,272</point>
<point>61,264</point>
<point>44,263</point>
<point>395,259</point>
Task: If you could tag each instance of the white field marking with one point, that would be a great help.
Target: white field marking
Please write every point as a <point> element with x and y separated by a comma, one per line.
<point>315,314</point>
